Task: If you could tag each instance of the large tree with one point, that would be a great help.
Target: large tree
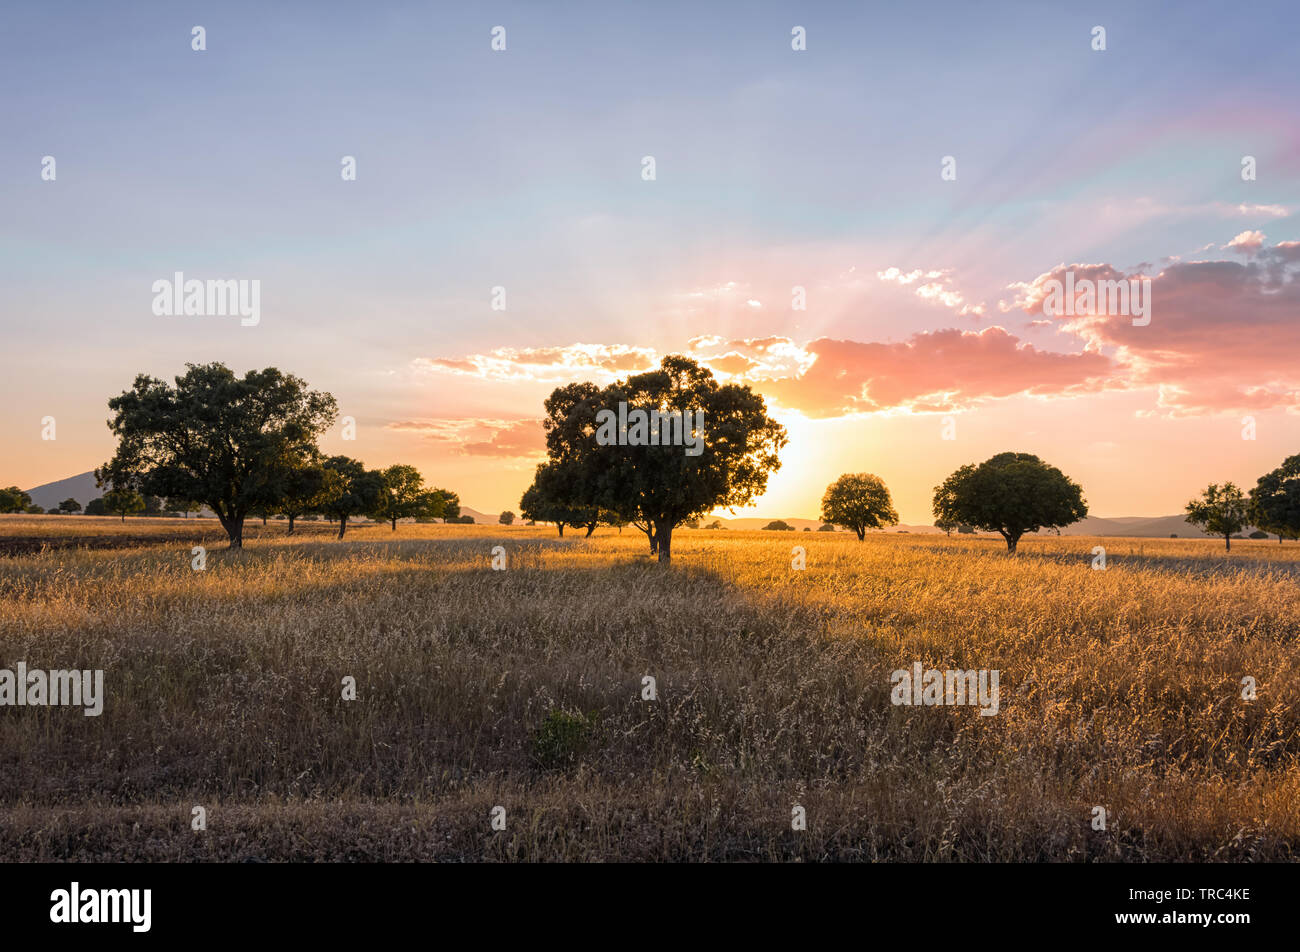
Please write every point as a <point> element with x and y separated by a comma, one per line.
<point>303,492</point>
<point>1011,494</point>
<point>225,441</point>
<point>69,506</point>
<point>1275,500</point>
<point>858,501</point>
<point>723,451</point>
<point>1220,510</point>
<point>350,489</point>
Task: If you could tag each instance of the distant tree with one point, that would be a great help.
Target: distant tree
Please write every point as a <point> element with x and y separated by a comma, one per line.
<point>96,507</point>
<point>69,506</point>
<point>506,518</point>
<point>807,528</point>
<point>55,511</point>
<point>229,442</point>
<point>123,502</point>
<point>183,506</point>
<point>1011,494</point>
<point>350,489</point>
<point>403,496</point>
<point>551,498</point>
<point>947,525</point>
<point>444,504</point>
<point>825,527</point>
<point>779,525</point>
<point>14,499</point>
<point>964,529</point>
<point>858,501</point>
<point>463,520</point>
<point>1220,510</point>
<point>304,487</point>
<point>715,524</point>
<point>153,506</point>
<point>34,510</point>
<point>1258,534</point>
<point>1275,500</point>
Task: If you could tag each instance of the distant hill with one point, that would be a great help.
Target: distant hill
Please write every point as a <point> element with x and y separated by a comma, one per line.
<point>81,488</point>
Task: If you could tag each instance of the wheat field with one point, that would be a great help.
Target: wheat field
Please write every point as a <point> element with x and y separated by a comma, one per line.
<point>523,689</point>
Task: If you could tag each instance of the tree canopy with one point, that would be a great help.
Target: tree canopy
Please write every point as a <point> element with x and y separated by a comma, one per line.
<point>1011,494</point>
<point>228,442</point>
<point>1220,510</point>
<point>858,501</point>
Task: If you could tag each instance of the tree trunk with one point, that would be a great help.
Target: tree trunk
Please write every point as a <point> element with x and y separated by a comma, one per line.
<point>560,526</point>
<point>343,524</point>
<point>264,520</point>
<point>862,533</point>
<point>124,515</point>
<point>1012,540</point>
<point>1227,541</point>
<point>590,529</point>
<point>664,542</point>
<point>394,523</point>
<point>290,518</point>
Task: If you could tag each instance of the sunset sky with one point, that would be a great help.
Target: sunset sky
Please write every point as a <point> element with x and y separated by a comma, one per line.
<point>775,169</point>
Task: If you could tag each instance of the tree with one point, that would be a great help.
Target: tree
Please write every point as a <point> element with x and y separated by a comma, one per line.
<point>946,525</point>
<point>1220,510</point>
<point>350,489</point>
<point>779,525</point>
<point>858,501</point>
<point>554,497</point>
<point>303,491</point>
<point>14,499</point>
<point>33,510</point>
<point>1011,494</point>
<point>183,506</point>
<point>402,495</point>
<point>506,518</point>
<point>825,527</point>
<point>721,446</point>
<point>69,506</point>
<point>123,502</point>
<point>1275,500</point>
<point>226,441</point>
<point>96,507</point>
<point>153,506</point>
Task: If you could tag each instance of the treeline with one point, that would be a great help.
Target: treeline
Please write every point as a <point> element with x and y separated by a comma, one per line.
<point>246,446</point>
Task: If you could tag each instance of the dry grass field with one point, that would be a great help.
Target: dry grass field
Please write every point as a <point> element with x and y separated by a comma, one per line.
<point>523,688</point>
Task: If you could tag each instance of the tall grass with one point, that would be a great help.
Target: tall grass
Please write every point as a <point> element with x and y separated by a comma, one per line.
<point>523,688</point>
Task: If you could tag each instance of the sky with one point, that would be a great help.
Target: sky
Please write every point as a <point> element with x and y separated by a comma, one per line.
<point>924,341</point>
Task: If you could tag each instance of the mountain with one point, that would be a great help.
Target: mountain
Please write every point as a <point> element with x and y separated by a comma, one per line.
<point>81,488</point>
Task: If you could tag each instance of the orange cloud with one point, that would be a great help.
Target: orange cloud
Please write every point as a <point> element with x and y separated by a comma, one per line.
<point>481,437</point>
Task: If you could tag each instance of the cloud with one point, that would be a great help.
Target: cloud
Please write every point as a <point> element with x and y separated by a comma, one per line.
<point>1223,335</point>
<point>1247,243</point>
<point>549,364</point>
<point>481,437</point>
<point>936,288</point>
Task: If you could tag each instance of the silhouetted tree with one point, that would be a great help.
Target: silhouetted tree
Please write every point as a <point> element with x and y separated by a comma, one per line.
<point>858,501</point>
<point>1011,494</point>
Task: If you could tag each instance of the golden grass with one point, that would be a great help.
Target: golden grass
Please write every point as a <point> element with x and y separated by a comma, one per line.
<point>1118,688</point>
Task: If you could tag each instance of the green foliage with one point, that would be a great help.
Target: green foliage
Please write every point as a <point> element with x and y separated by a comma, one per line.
<point>1011,494</point>
<point>1220,510</point>
<point>123,502</point>
<point>858,501</point>
<point>14,499</point>
<point>96,507</point>
<point>1275,500</point>
<point>69,506</point>
<point>349,489</point>
<point>661,487</point>
<point>562,738</point>
<point>229,442</point>
<point>506,518</point>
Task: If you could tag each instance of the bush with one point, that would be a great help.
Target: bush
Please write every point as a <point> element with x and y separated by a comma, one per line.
<point>779,525</point>
<point>1257,534</point>
<point>562,738</point>
<point>826,527</point>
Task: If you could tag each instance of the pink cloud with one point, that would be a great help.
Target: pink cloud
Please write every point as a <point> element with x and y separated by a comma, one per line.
<point>481,437</point>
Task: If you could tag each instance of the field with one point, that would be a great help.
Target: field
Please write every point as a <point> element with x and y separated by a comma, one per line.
<point>523,689</point>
